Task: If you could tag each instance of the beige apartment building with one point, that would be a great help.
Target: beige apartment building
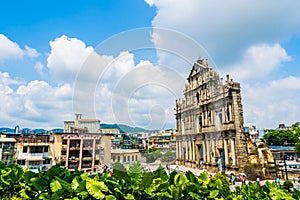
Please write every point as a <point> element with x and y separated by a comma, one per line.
<point>82,145</point>
<point>33,151</point>
<point>164,140</point>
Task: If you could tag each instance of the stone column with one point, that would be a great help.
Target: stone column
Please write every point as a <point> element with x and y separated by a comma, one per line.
<point>194,149</point>
<point>186,151</point>
<point>213,150</point>
<point>204,151</point>
<point>232,152</point>
<point>191,150</point>
<point>80,154</point>
<point>224,116</point>
<point>212,117</point>
<point>180,150</point>
<point>230,112</point>
<point>226,151</point>
<point>177,150</point>
<point>208,153</point>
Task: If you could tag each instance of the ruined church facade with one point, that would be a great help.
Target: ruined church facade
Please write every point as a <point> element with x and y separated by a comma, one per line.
<point>209,122</point>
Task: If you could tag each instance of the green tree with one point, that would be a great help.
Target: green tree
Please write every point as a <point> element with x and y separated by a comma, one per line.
<point>296,130</point>
<point>282,137</point>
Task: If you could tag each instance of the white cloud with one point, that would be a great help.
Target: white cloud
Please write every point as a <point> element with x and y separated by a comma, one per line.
<point>39,67</point>
<point>290,84</point>
<point>258,62</point>
<point>142,95</point>
<point>11,50</point>
<point>5,79</point>
<point>66,58</point>
<point>268,104</point>
<point>226,28</point>
<point>241,36</point>
<point>32,53</point>
<point>34,104</point>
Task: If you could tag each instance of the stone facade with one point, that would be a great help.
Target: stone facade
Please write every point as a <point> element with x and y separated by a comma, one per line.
<point>209,122</point>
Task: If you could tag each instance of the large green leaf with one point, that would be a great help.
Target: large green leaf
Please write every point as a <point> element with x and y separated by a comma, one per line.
<point>194,195</point>
<point>191,177</point>
<point>110,197</point>
<point>28,175</point>
<point>5,176</point>
<point>120,172</point>
<point>161,173</point>
<point>65,185</point>
<point>74,184</point>
<point>135,168</point>
<point>203,178</point>
<point>53,171</point>
<point>40,184</point>
<point>55,185</point>
<point>147,180</point>
<point>213,194</point>
<point>171,177</point>
<point>96,188</point>
<point>129,197</point>
<point>180,180</point>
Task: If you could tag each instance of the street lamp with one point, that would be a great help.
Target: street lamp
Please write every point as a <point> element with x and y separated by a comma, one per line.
<point>286,173</point>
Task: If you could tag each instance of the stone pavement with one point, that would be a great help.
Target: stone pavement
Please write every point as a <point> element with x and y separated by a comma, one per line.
<point>184,169</point>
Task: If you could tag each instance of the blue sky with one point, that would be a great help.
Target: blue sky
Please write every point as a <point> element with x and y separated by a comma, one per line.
<point>45,45</point>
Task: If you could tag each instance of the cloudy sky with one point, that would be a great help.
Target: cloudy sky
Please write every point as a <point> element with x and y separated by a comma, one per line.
<point>127,61</point>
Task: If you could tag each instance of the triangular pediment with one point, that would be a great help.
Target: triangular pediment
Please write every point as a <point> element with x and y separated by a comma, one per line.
<point>197,67</point>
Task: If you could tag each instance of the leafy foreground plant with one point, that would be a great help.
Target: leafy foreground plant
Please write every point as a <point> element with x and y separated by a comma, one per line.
<point>59,183</point>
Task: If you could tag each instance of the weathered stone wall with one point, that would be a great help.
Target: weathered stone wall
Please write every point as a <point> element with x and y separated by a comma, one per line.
<point>209,121</point>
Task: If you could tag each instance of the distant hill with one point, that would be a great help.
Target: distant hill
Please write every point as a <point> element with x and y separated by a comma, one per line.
<point>31,131</point>
<point>124,128</point>
<point>6,130</point>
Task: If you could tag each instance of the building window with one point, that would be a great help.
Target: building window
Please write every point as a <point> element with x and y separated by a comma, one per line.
<point>46,162</point>
<point>36,149</point>
<point>132,159</point>
<point>128,157</point>
<point>118,158</point>
<point>136,157</point>
<point>114,158</point>
<point>21,162</point>
<point>124,158</point>
<point>25,149</point>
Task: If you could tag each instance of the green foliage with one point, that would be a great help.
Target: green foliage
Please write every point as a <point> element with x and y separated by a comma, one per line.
<point>169,156</point>
<point>135,168</point>
<point>59,183</point>
<point>152,155</point>
<point>284,137</point>
<point>288,184</point>
<point>281,137</point>
<point>295,129</point>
